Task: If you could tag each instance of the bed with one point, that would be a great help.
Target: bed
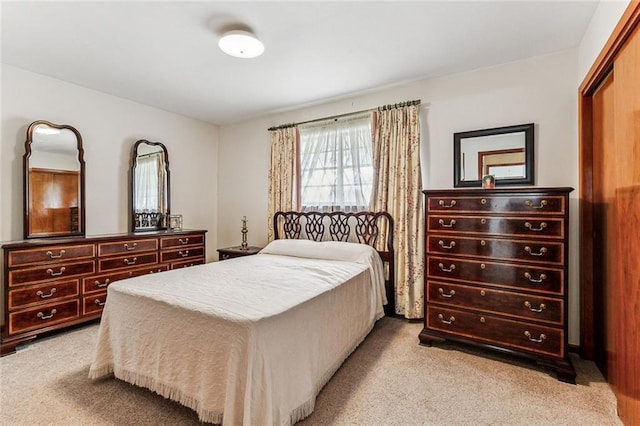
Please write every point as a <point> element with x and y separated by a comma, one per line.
<point>252,340</point>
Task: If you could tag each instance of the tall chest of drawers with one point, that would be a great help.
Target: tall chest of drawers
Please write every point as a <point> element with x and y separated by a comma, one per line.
<point>496,272</point>
<point>53,284</point>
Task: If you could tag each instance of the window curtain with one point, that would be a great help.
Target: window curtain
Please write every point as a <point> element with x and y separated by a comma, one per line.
<point>149,177</point>
<point>283,193</point>
<point>336,169</point>
<point>397,189</point>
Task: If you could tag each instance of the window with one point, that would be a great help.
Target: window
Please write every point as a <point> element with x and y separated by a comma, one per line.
<point>336,165</point>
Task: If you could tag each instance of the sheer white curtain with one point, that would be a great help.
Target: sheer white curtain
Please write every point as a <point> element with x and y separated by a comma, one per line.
<point>336,164</point>
<point>148,183</point>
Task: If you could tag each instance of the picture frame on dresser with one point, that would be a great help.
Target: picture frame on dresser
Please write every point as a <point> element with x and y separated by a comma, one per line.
<point>496,272</point>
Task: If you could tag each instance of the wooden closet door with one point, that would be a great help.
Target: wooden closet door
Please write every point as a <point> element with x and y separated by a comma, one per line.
<point>604,224</point>
<point>609,112</point>
<point>52,195</point>
<point>627,289</point>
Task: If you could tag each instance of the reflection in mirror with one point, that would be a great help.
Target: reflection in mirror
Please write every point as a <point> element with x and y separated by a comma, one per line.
<point>504,152</point>
<point>53,181</point>
<point>149,186</point>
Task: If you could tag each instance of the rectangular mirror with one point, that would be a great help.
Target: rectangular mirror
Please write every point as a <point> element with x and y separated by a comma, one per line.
<point>504,152</point>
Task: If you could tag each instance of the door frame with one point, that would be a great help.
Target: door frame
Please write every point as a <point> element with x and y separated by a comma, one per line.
<point>598,71</point>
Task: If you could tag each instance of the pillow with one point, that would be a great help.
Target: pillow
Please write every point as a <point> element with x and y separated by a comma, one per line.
<point>335,250</point>
<point>327,250</point>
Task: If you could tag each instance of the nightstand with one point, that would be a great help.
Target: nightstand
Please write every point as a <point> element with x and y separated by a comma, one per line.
<point>231,252</point>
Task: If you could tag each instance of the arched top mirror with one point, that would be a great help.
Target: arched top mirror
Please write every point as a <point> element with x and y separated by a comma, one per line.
<point>54,183</point>
<point>150,201</point>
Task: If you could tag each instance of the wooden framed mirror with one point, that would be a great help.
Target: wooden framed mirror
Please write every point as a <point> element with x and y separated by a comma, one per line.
<point>150,201</point>
<point>504,152</point>
<point>54,181</point>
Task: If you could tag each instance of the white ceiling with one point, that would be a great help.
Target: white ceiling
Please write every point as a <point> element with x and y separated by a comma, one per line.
<point>165,54</point>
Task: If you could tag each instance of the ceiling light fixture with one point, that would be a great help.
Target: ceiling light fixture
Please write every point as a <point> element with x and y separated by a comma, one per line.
<point>241,44</point>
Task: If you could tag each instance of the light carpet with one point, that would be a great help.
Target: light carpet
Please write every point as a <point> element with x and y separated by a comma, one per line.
<point>389,380</point>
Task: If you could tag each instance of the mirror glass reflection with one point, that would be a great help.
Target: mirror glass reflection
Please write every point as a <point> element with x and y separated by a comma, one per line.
<point>54,181</point>
<point>150,186</point>
<point>504,152</point>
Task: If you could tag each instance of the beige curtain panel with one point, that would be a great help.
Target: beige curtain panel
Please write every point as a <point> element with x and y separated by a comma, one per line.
<point>397,189</point>
<point>282,173</point>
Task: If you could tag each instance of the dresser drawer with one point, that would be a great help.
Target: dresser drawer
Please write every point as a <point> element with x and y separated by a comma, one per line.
<point>46,293</point>
<point>100,282</point>
<point>524,306</point>
<point>542,228</point>
<point>127,246</point>
<point>43,316</point>
<point>520,277</point>
<point>94,303</point>
<point>496,331</point>
<point>188,263</point>
<point>130,261</point>
<point>529,251</point>
<point>50,254</point>
<point>181,241</point>
<point>53,272</point>
<point>525,204</point>
<point>182,254</point>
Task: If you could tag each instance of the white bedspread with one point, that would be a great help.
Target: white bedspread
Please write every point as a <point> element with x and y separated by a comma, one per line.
<point>247,341</point>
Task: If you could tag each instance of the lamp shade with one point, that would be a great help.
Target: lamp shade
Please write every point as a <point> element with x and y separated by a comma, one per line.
<point>241,44</point>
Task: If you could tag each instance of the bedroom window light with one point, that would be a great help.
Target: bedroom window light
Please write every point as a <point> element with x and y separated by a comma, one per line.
<point>336,164</point>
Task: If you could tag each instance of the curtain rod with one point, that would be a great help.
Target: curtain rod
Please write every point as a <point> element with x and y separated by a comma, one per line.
<point>348,114</point>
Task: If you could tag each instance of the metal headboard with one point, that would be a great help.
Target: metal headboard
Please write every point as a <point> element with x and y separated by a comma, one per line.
<point>362,227</point>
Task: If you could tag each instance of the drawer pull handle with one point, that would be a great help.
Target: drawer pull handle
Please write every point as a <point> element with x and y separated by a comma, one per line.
<point>443,269</point>
<point>447,206</point>
<point>185,254</point>
<point>185,241</point>
<point>529,203</point>
<point>99,303</point>
<point>152,271</point>
<point>99,284</point>
<point>450,225</point>
<point>533,280</point>
<point>483,293</point>
<point>130,247</point>
<point>46,317</point>
<point>40,294</point>
<point>444,321</point>
<point>54,256</point>
<point>451,293</point>
<point>55,274</point>
<point>451,245</point>
<point>530,227</point>
<point>131,262</point>
<point>540,340</point>
<point>542,251</point>
<point>483,201</point>
<point>540,309</point>
<point>483,221</point>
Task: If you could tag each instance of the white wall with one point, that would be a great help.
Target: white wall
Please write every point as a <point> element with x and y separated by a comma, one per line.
<point>540,90</point>
<point>109,127</point>
<point>602,23</point>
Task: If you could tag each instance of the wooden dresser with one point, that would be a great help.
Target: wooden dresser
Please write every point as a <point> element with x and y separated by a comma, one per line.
<point>496,272</point>
<point>56,283</point>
